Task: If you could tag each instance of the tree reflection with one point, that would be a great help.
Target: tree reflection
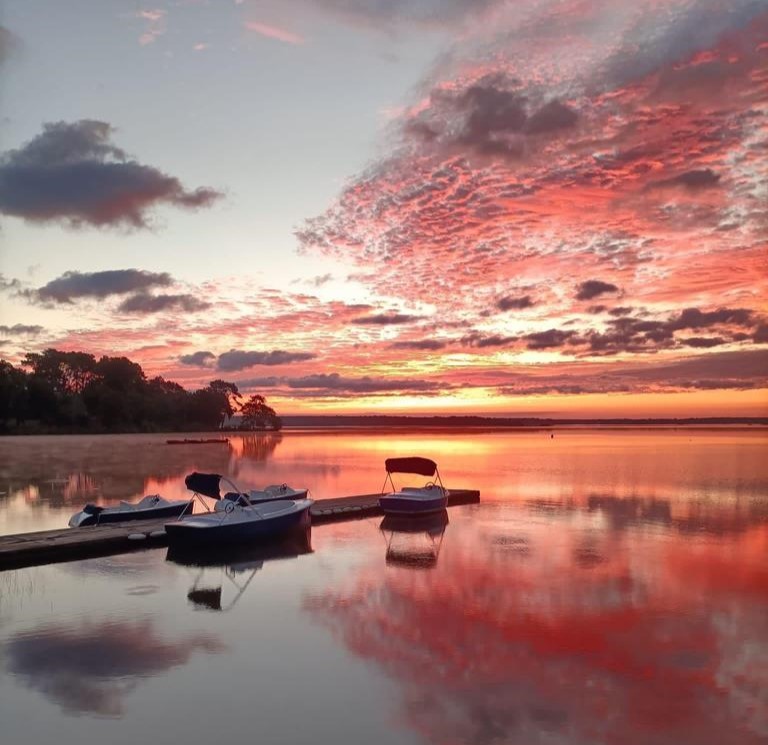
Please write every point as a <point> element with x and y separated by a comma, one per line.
<point>71,471</point>
<point>260,447</point>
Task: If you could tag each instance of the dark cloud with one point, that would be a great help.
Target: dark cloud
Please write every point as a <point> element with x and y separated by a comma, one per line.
<point>703,342</point>
<point>514,303</point>
<point>72,173</point>
<point>144,303</point>
<point>9,285</point>
<point>238,359</point>
<point>268,382</point>
<point>550,338</point>
<point>484,341</point>
<point>693,318</point>
<point>340,384</point>
<point>197,359</point>
<point>489,116</point>
<point>714,385</point>
<point>740,370</point>
<point>365,384</point>
<point>490,111</point>
<point>422,344</point>
<point>386,319</point>
<point>593,288</point>
<point>90,668</point>
<point>20,329</point>
<point>696,179</point>
<point>746,365</point>
<point>550,118</point>
<point>761,334</point>
<point>72,285</point>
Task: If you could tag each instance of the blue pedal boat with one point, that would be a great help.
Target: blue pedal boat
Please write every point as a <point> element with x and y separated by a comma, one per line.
<point>151,507</point>
<point>236,519</point>
<point>411,501</point>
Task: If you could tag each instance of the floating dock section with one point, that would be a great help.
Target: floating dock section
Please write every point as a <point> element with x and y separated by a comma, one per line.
<point>68,544</point>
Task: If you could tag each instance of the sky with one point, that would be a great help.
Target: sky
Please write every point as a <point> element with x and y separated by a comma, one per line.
<point>537,208</point>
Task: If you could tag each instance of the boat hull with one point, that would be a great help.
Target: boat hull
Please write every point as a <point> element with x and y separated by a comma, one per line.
<point>232,533</point>
<point>404,506</point>
<point>82,520</point>
<point>295,494</point>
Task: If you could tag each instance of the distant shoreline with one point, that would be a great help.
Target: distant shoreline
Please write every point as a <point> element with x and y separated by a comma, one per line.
<point>404,423</point>
<point>475,422</point>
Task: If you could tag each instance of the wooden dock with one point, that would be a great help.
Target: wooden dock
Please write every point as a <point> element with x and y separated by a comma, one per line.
<point>68,544</point>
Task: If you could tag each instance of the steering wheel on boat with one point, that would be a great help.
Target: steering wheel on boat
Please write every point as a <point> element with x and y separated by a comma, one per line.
<point>229,507</point>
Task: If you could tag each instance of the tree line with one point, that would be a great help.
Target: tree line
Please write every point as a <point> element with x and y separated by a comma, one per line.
<point>55,391</point>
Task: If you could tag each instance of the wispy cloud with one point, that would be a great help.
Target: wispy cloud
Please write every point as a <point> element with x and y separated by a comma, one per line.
<point>154,20</point>
<point>274,32</point>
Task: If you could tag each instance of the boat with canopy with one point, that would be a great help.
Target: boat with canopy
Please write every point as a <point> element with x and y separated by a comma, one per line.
<point>413,501</point>
<point>209,485</point>
<point>237,520</point>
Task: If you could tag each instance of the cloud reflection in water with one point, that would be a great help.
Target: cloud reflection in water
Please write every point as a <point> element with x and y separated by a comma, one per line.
<point>604,634</point>
<point>89,669</point>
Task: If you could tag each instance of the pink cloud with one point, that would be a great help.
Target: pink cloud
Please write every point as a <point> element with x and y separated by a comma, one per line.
<point>155,25</point>
<point>274,32</point>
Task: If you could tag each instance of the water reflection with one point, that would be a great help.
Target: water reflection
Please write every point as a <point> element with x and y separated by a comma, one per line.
<point>606,632</point>
<point>236,566</point>
<point>61,473</point>
<point>414,542</point>
<point>91,667</point>
<point>698,473</point>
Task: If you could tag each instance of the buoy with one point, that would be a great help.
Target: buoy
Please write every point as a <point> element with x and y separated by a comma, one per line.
<point>136,537</point>
<point>157,533</point>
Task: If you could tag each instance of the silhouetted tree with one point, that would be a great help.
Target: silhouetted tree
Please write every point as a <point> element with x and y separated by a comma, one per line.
<point>258,415</point>
<point>72,390</point>
<point>65,372</point>
<point>13,394</point>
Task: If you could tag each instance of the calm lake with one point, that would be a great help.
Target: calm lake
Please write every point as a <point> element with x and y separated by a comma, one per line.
<point>611,587</point>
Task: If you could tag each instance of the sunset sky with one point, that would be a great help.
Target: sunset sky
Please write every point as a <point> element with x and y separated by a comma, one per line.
<point>548,208</point>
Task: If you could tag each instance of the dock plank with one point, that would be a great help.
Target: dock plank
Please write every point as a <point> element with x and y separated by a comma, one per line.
<point>69,544</point>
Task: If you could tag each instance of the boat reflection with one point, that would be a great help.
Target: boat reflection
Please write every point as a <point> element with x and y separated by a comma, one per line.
<point>236,566</point>
<point>414,542</point>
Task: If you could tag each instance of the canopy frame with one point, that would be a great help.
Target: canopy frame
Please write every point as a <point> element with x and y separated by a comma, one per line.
<point>414,464</point>
<point>209,485</point>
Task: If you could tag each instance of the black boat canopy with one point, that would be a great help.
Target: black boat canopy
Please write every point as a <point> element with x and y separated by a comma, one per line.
<point>206,484</point>
<point>421,466</point>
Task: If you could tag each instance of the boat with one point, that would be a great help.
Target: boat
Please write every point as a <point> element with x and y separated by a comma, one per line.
<point>413,501</point>
<point>151,507</point>
<point>199,441</point>
<point>209,485</point>
<point>414,543</point>
<point>239,522</point>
